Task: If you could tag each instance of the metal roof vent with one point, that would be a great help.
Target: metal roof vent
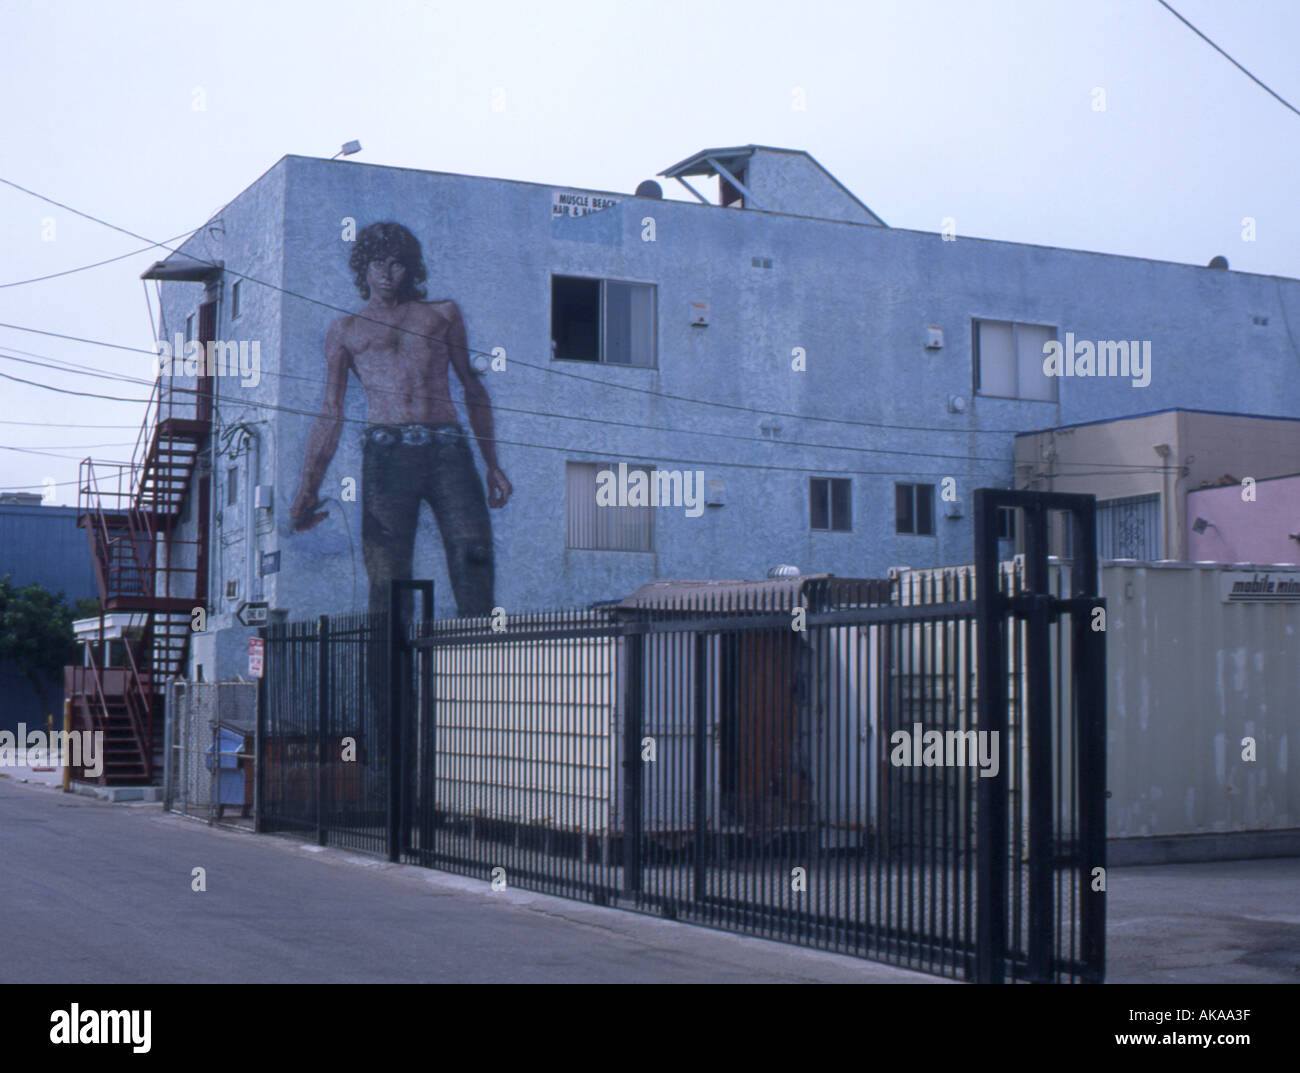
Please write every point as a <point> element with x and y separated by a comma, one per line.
<point>1219,262</point>
<point>783,570</point>
<point>651,189</point>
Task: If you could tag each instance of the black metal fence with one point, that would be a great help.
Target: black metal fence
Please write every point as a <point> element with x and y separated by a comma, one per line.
<point>322,734</point>
<point>821,771</point>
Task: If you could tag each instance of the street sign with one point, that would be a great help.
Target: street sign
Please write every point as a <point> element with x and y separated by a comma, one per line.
<point>270,563</point>
<point>253,613</point>
<point>256,656</point>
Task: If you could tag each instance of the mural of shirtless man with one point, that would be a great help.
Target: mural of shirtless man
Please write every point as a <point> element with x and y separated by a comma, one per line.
<point>413,450</point>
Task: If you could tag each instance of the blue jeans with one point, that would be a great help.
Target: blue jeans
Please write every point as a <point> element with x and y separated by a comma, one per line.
<point>402,466</point>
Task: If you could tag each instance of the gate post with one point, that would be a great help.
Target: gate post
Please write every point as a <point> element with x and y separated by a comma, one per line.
<point>394,759</point>
<point>1090,731</point>
<point>322,725</point>
<point>1038,702</point>
<point>398,686</point>
<point>259,740</point>
<point>702,641</point>
<point>991,833</point>
<point>633,718</point>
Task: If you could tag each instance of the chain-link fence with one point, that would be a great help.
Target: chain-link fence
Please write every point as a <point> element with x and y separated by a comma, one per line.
<point>210,755</point>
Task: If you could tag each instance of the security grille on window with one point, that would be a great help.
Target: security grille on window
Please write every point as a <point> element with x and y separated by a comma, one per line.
<point>1129,528</point>
<point>1008,360</point>
<point>593,527</point>
<point>830,504</point>
<point>602,320</point>
<point>914,509</point>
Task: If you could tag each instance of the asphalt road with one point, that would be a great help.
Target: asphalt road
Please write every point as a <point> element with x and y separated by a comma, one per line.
<point>99,893</point>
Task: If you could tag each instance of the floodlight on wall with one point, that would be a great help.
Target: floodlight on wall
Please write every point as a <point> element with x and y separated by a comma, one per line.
<point>1200,525</point>
<point>347,149</point>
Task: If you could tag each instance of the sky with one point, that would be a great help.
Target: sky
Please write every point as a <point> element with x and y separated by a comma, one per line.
<point>1106,125</point>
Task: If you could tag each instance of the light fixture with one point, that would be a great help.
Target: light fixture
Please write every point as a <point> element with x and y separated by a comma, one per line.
<point>347,149</point>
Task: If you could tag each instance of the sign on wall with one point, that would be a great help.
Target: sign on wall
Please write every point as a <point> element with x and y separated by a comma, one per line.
<point>1248,586</point>
<point>256,657</point>
<point>573,204</point>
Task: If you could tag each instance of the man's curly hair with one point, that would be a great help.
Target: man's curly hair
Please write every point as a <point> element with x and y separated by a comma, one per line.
<point>377,242</point>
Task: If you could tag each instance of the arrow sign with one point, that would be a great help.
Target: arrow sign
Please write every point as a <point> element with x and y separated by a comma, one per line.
<point>253,613</point>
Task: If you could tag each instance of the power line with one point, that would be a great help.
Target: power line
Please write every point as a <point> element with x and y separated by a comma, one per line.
<point>1275,95</point>
<point>97,264</point>
<point>56,424</point>
<point>582,449</point>
<point>550,369</point>
<point>1117,467</point>
<point>69,391</point>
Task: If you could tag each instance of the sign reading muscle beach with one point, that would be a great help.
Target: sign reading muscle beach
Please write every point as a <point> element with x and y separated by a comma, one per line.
<point>1249,586</point>
<point>566,203</point>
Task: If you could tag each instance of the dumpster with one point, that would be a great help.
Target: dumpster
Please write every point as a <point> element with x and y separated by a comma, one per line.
<point>232,767</point>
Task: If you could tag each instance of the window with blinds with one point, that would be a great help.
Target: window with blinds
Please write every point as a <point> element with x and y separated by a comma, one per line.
<point>594,527</point>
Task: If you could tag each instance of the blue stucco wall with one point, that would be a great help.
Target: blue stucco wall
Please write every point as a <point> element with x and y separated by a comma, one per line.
<point>856,298</point>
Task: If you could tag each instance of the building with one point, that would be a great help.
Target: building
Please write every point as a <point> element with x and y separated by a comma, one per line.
<point>810,385</point>
<point>1230,523</point>
<point>1147,472</point>
<point>39,545</point>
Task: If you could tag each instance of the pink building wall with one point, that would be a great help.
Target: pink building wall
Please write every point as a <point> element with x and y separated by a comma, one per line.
<point>1245,532</point>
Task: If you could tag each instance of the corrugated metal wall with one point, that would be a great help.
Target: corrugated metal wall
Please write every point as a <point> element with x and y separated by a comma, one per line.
<point>1190,677</point>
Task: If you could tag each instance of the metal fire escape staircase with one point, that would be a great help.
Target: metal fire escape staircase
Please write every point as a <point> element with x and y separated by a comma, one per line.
<point>149,579</point>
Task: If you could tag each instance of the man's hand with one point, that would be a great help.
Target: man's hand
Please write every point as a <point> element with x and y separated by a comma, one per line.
<point>499,488</point>
<point>301,514</point>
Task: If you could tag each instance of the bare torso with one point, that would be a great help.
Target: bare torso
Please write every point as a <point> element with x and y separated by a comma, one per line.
<point>400,355</point>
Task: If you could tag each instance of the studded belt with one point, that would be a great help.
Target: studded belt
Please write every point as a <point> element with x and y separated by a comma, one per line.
<point>412,435</point>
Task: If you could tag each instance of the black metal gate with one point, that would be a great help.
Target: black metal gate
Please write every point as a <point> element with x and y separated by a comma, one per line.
<point>912,773</point>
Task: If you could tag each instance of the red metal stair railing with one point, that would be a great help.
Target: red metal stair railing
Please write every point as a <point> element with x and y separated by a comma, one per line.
<point>130,511</point>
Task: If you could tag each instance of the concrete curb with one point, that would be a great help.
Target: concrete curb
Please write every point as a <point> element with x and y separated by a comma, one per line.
<point>117,794</point>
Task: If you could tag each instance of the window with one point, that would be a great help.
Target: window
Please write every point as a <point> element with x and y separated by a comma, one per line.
<point>1006,523</point>
<point>1007,359</point>
<point>232,486</point>
<point>594,527</point>
<point>1129,528</point>
<point>830,504</point>
<point>234,299</point>
<point>914,509</point>
<point>189,328</point>
<point>602,320</point>
<point>232,590</point>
